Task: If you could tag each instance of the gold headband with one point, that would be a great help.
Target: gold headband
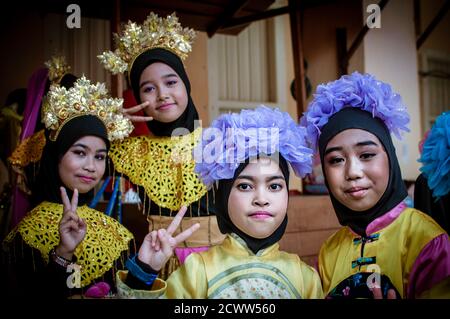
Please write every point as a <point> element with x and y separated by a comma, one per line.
<point>57,68</point>
<point>155,32</point>
<point>61,105</point>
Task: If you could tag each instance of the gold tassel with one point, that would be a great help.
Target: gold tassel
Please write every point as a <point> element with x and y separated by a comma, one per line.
<point>207,203</point>
<point>198,208</point>
<point>145,198</point>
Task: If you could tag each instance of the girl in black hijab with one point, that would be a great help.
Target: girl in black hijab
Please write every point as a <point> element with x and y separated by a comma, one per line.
<point>80,246</point>
<point>252,200</point>
<point>162,165</point>
<point>384,250</point>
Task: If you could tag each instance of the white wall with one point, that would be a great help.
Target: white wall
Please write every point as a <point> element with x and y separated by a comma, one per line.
<point>390,54</point>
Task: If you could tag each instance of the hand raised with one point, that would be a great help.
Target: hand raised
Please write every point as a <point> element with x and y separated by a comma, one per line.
<point>136,118</point>
<point>377,294</point>
<point>72,228</point>
<point>158,245</point>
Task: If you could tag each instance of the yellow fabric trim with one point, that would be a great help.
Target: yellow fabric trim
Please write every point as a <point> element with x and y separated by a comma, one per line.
<point>396,250</point>
<point>125,292</point>
<point>163,166</point>
<point>104,242</point>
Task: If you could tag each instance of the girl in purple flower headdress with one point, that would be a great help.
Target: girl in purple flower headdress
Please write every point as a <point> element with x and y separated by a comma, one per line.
<point>384,250</point>
<point>247,154</point>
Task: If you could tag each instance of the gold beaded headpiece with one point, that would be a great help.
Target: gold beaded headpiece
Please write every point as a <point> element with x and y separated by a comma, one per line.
<point>57,68</point>
<point>155,32</point>
<point>61,105</point>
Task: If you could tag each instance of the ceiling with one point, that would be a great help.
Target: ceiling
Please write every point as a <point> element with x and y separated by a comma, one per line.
<point>202,15</point>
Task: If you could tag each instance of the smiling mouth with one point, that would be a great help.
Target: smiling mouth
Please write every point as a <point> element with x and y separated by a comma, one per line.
<point>165,106</point>
<point>260,215</point>
<point>86,179</point>
<point>357,192</point>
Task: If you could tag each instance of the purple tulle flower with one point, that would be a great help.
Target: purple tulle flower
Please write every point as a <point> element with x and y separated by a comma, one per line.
<point>355,90</point>
<point>435,157</point>
<point>235,137</point>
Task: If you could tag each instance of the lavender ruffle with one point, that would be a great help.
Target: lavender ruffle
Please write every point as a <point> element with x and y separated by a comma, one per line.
<point>235,137</point>
<point>355,90</point>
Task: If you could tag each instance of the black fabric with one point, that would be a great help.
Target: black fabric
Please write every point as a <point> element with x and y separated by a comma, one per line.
<point>355,118</point>
<point>424,201</point>
<point>223,218</point>
<point>48,182</point>
<point>25,274</point>
<point>187,119</point>
<point>355,287</point>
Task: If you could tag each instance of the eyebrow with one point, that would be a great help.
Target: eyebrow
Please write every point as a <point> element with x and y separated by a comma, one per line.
<point>271,178</point>
<point>359,144</point>
<point>163,77</point>
<point>87,147</point>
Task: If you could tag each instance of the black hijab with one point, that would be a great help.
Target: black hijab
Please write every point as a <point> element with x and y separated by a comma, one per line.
<point>186,120</point>
<point>48,182</point>
<point>355,118</point>
<point>224,221</point>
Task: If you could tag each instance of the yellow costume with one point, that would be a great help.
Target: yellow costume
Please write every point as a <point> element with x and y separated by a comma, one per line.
<point>346,255</point>
<point>231,270</point>
<point>104,242</point>
<point>162,165</point>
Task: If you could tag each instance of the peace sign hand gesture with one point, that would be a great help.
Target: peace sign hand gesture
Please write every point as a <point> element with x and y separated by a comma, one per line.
<point>158,246</point>
<point>72,228</point>
<point>136,118</point>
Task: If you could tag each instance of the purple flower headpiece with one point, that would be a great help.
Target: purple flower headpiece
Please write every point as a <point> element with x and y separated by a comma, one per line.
<point>355,90</point>
<point>435,157</point>
<point>236,137</point>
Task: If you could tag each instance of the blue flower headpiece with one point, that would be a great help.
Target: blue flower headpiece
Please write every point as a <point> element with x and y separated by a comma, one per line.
<point>355,90</point>
<point>435,157</point>
<point>235,137</point>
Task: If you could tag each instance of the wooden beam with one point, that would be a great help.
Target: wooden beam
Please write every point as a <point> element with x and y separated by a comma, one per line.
<point>361,34</point>
<point>230,11</point>
<point>295,15</point>
<point>417,18</point>
<point>439,16</point>
<point>237,22</point>
<point>341,43</point>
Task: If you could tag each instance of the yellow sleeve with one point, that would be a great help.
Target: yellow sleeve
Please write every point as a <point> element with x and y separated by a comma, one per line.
<point>323,271</point>
<point>188,281</point>
<point>125,292</point>
<point>312,283</point>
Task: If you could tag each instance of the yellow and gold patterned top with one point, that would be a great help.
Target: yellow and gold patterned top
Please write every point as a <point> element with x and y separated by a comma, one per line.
<point>231,270</point>
<point>28,151</point>
<point>163,166</point>
<point>104,242</point>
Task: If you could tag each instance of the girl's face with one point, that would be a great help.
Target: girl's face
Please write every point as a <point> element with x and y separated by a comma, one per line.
<point>166,93</point>
<point>83,165</point>
<point>356,167</point>
<point>258,199</point>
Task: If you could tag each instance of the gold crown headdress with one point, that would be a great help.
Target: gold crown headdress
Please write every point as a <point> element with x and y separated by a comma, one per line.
<point>57,68</point>
<point>61,105</point>
<point>155,32</point>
